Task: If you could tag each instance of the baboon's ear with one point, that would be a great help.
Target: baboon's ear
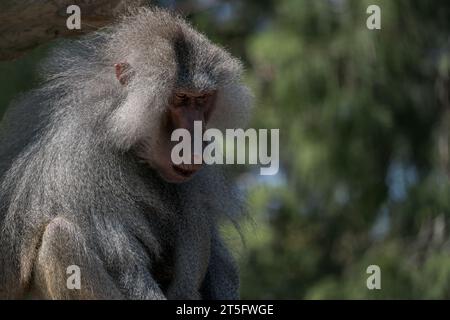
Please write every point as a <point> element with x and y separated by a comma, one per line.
<point>123,72</point>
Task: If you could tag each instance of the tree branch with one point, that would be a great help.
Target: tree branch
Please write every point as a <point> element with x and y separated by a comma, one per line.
<point>25,24</point>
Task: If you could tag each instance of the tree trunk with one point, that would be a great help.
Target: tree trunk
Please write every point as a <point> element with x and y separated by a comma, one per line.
<point>25,24</point>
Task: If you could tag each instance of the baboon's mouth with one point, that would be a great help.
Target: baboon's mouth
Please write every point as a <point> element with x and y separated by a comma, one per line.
<point>186,170</point>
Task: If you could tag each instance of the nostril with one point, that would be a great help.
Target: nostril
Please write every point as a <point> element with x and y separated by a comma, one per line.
<point>186,170</point>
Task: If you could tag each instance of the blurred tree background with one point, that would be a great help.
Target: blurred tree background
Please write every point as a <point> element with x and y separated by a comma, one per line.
<point>364,122</point>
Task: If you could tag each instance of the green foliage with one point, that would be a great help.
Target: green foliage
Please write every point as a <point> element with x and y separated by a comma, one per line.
<point>18,76</point>
<point>365,151</point>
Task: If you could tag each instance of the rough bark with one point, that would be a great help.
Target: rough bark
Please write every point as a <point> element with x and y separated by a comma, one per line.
<point>25,24</point>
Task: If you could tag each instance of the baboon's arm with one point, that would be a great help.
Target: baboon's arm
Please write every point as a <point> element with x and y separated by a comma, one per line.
<point>63,245</point>
<point>222,278</point>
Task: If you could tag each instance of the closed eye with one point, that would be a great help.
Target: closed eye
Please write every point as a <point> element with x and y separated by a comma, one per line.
<point>202,100</point>
<point>180,99</point>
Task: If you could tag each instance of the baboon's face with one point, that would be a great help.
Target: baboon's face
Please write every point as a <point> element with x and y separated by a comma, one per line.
<point>184,108</point>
